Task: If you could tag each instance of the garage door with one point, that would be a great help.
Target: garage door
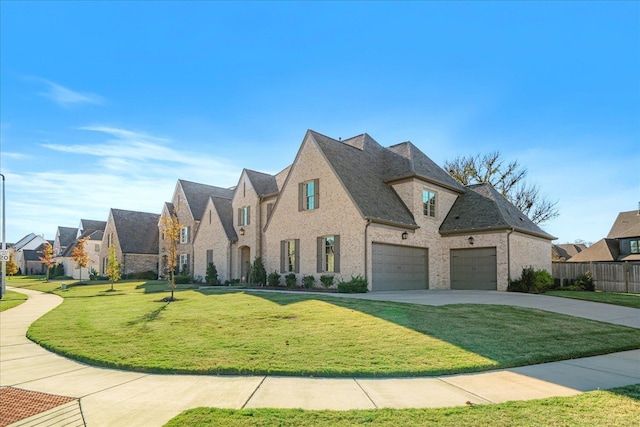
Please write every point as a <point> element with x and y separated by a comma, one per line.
<point>399,268</point>
<point>474,269</point>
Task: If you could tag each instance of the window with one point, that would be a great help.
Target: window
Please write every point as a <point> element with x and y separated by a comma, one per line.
<point>329,254</point>
<point>429,203</point>
<point>96,248</point>
<point>244,215</point>
<point>110,239</point>
<point>290,256</point>
<point>209,256</point>
<point>309,195</point>
<point>184,235</point>
<point>183,263</point>
<point>635,246</point>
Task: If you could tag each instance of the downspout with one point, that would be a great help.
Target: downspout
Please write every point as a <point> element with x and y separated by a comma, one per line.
<point>259,228</point>
<point>509,254</point>
<point>366,257</point>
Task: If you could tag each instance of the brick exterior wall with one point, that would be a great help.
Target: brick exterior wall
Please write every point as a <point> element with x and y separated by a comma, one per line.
<point>211,236</point>
<point>185,218</point>
<point>110,230</point>
<point>249,245</point>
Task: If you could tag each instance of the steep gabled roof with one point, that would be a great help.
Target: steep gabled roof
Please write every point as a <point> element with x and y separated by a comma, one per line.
<point>482,207</point>
<point>137,231</point>
<point>414,163</point>
<point>92,225</point>
<point>24,241</point>
<point>359,163</point>
<point>602,250</point>
<point>198,195</point>
<point>263,183</point>
<point>67,235</point>
<point>567,250</point>
<point>627,224</point>
<point>225,213</point>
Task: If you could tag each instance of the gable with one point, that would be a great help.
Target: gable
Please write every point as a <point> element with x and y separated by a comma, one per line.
<point>137,232</point>
<point>627,224</point>
<point>197,195</point>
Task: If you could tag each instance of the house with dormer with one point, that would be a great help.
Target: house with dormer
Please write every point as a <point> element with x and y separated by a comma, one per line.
<point>394,217</point>
<point>188,202</point>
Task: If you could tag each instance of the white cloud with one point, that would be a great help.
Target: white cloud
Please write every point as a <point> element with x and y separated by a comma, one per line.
<point>17,156</point>
<point>66,97</point>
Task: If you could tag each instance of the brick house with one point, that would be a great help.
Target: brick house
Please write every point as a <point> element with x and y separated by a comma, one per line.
<point>391,215</point>
<point>621,244</point>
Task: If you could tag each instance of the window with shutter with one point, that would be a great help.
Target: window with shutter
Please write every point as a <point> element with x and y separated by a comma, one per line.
<point>328,256</point>
<point>309,195</point>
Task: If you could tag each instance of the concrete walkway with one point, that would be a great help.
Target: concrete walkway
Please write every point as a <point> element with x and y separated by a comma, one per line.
<point>112,398</point>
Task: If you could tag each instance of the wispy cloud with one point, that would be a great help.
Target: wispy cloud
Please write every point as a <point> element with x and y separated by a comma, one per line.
<point>66,97</point>
<point>17,156</point>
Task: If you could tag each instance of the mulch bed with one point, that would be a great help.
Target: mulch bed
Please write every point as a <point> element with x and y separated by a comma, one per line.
<point>17,404</point>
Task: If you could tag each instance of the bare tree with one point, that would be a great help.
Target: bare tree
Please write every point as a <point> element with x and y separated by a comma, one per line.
<point>508,179</point>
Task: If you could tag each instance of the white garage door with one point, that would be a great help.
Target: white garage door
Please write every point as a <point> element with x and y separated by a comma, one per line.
<point>474,269</point>
<point>399,268</point>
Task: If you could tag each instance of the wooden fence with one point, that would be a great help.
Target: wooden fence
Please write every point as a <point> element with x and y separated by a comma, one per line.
<point>607,276</point>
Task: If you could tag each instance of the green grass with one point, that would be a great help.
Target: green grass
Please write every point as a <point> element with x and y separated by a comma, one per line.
<point>614,408</point>
<point>11,299</point>
<point>617,298</point>
<point>220,332</point>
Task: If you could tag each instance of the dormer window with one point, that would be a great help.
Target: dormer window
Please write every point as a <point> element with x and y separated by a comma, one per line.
<point>308,195</point>
<point>635,246</point>
<point>429,203</point>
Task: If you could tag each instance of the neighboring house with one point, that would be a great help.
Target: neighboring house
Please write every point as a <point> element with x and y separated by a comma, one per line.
<point>621,244</point>
<point>94,231</point>
<point>135,238</point>
<point>393,216</point>
<point>189,202</point>
<point>563,252</point>
<point>65,236</point>
<point>26,254</point>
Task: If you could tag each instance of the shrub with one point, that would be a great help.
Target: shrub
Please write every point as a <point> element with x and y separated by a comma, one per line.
<point>212,274</point>
<point>234,282</point>
<point>142,275</point>
<point>327,280</point>
<point>357,285</point>
<point>62,278</point>
<point>536,281</point>
<point>308,281</point>
<point>182,279</point>
<point>585,282</point>
<point>274,279</point>
<point>258,274</point>
<point>290,280</point>
<point>58,270</point>
<point>93,274</point>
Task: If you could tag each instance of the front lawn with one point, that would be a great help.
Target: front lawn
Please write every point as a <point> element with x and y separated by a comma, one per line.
<point>11,299</point>
<point>216,331</point>
<point>617,298</point>
<point>614,408</point>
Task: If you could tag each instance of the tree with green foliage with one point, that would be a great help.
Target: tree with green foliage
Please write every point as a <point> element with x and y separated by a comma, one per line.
<point>508,179</point>
<point>80,255</point>
<point>258,274</point>
<point>212,274</point>
<point>48,258</point>
<point>113,266</point>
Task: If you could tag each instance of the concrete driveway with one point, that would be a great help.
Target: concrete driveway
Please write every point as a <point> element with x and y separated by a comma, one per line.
<point>107,397</point>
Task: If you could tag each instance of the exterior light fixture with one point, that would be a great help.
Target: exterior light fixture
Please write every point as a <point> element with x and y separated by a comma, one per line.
<point>405,235</point>
<point>470,240</point>
<point>242,231</point>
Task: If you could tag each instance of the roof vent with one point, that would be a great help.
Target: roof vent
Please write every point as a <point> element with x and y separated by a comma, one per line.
<point>457,216</point>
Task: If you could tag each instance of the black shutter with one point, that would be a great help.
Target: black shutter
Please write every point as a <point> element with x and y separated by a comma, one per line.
<point>297,252</point>
<point>282,254</point>
<point>336,253</point>
<point>316,193</point>
<point>319,263</point>
<point>301,196</point>
<point>248,215</point>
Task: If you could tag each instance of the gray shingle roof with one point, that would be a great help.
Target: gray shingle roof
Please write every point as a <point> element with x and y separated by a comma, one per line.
<point>225,213</point>
<point>137,231</point>
<point>67,235</point>
<point>263,183</point>
<point>627,224</point>
<point>24,241</point>
<point>482,207</point>
<point>362,171</point>
<point>568,250</point>
<point>91,225</point>
<point>414,162</point>
<point>198,195</point>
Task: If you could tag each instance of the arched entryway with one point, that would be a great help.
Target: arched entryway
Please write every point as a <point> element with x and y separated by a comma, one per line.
<point>245,263</point>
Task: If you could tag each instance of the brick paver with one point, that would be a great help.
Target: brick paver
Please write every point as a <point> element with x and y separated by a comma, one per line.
<point>17,404</point>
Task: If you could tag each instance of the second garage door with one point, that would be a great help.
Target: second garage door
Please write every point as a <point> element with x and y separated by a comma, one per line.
<point>474,269</point>
<point>399,268</point>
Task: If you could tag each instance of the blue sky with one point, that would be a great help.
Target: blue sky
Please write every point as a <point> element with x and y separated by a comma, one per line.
<point>107,104</point>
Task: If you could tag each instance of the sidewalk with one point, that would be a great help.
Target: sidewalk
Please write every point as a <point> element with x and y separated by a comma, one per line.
<point>110,397</point>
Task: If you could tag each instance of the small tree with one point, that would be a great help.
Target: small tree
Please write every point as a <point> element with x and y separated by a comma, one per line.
<point>48,257</point>
<point>113,266</point>
<point>212,274</point>
<point>80,255</point>
<point>12,266</point>
<point>258,274</point>
<point>171,228</point>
